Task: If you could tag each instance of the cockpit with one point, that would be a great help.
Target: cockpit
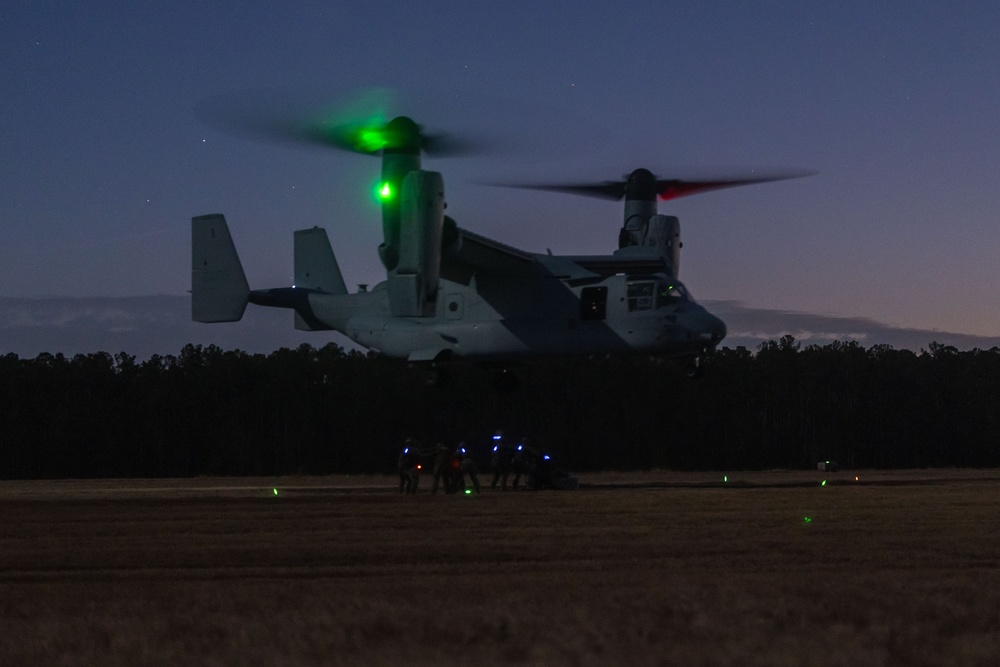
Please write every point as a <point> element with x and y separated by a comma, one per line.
<point>655,293</point>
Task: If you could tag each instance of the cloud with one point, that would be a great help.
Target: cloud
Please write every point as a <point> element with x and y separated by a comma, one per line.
<point>750,327</point>
<point>141,326</point>
<point>144,326</point>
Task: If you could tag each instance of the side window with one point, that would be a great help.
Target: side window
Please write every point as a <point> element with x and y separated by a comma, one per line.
<point>640,296</point>
<point>593,303</point>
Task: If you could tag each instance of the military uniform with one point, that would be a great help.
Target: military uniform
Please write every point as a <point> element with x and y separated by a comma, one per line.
<point>525,463</point>
<point>466,466</point>
<point>501,462</point>
<point>442,468</point>
<point>409,474</point>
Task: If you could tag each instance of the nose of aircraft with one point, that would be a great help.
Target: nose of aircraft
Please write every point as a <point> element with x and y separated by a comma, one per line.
<point>710,328</point>
<point>717,327</point>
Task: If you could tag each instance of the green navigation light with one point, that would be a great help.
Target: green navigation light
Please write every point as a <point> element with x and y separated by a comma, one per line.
<point>384,191</point>
<point>371,139</point>
<point>275,490</point>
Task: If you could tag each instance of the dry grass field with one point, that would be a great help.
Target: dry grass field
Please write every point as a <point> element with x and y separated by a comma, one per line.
<point>656,568</point>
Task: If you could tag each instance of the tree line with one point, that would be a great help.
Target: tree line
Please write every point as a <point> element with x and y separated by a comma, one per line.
<point>208,411</point>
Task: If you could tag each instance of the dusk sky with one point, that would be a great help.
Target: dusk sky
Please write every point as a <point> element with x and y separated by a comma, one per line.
<point>895,105</point>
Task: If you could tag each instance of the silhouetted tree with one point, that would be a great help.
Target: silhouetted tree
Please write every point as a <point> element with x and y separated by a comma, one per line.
<point>209,411</point>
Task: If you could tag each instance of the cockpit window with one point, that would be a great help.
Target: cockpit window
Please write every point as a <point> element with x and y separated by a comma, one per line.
<point>640,296</point>
<point>649,294</point>
<point>668,293</point>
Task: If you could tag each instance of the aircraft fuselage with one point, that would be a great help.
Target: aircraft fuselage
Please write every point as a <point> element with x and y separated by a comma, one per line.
<point>494,318</point>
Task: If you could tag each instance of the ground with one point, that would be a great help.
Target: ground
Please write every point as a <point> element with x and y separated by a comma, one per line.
<point>659,568</point>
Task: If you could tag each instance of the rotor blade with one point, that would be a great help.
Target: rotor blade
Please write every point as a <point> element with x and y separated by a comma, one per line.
<point>641,184</point>
<point>440,144</point>
<point>363,127</point>
<point>607,190</point>
<point>673,189</point>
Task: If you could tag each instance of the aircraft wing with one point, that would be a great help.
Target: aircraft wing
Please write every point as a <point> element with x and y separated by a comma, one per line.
<point>609,265</point>
<point>480,255</point>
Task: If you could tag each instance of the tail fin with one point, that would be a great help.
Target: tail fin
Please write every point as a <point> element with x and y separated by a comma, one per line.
<point>315,264</point>
<point>219,289</point>
<point>316,268</point>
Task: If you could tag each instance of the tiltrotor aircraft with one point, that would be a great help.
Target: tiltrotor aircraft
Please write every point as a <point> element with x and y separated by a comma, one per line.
<point>450,293</point>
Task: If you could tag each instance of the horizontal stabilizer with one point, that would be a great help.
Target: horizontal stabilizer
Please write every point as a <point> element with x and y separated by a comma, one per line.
<point>219,289</point>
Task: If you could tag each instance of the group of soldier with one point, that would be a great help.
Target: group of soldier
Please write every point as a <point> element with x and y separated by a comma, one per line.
<point>523,460</point>
<point>450,468</point>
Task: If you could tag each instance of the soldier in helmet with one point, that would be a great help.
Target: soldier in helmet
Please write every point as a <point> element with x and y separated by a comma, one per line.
<point>466,466</point>
<point>501,461</point>
<point>525,462</point>
<point>408,467</point>
<point>442,468</point>
<point>545,472</point>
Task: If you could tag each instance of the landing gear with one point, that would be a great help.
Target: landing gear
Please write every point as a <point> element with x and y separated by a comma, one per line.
<point>695,370</point>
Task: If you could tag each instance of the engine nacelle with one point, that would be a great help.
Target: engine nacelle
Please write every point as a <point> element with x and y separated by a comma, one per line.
<point>664,234</point>
<point>413,283</point>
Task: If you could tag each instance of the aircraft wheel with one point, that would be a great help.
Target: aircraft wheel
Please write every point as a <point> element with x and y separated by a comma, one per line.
<point>695,371</point>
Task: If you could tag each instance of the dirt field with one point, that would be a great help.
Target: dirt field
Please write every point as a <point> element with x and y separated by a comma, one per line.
<point>644,569</point>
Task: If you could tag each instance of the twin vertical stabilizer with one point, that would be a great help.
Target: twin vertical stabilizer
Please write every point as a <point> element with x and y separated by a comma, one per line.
<point>316,270</point>
<point>315,264</point>
<point>219,289</point>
